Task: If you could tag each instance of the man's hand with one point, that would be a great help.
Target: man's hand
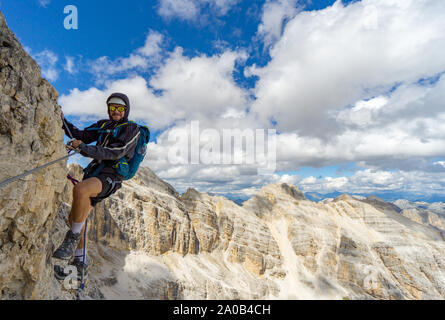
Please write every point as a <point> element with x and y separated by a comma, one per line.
<point>76,143</point>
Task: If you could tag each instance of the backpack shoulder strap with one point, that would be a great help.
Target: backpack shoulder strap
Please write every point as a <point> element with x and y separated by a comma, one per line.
<point>105,124</point>
<point>117,129</point>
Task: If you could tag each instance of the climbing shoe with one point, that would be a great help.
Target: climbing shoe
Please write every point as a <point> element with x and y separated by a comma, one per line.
<point>80,267</point>
<point>69,245</point>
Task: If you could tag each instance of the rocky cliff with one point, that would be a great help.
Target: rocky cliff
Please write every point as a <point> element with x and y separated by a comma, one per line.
<point>30,136</point>
<point>149,242</point>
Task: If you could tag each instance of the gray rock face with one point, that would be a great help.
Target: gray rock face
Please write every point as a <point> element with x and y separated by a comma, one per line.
<point>30,136</point>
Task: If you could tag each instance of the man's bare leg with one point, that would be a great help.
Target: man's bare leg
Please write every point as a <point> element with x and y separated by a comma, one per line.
<point>80,209</point>
<point>81,206</point>
<point>82,193</point>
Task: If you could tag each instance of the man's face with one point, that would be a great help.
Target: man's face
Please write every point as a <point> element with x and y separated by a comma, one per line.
<point>115,114</point>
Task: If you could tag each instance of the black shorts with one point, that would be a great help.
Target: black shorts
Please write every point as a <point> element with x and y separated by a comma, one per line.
<point>110,184</point>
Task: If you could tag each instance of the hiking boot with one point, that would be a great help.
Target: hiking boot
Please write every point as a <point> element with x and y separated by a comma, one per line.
<point>80,267</point>
<point>69,245</point>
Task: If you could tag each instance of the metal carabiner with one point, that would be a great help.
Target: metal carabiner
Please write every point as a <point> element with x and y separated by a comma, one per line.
<point>69,146</point>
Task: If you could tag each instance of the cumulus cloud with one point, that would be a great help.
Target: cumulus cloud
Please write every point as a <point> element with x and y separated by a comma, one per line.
<point>375,181</point>
<point>275,13</point>
<point>183,9</point>
<point>372,133</point>
<point>222,6</point>
<point>47,61</point>
<point>104,66</point>
<point>201,85</point>
<point>363,112</point>
<point>50,66</point>
<point>329,59</point>
<point>177,168</point>
<point>183,88</point>
<point>140,59</point>
<point>153,45</point>
<point>190,10</point>
<point>70,65</point>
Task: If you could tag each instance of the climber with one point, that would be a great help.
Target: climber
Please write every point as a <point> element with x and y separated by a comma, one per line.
<point>100,179</point>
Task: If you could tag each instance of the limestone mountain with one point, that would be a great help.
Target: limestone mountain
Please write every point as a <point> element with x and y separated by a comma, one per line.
<point>430,214</point>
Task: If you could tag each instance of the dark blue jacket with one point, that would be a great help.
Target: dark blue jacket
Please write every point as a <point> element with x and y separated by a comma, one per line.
<point>110,149</point>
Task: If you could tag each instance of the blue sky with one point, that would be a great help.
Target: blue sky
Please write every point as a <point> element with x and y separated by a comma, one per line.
<point>113,30</point>
<point>353,88</point>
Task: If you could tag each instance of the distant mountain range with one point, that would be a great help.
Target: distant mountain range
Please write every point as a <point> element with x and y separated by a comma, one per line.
<point>435,203</point>
<point>387,196</point>
<point>235,198</point>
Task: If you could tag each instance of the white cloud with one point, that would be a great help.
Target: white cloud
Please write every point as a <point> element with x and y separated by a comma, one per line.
<point>234,113</point>
<point>390,144</point>
<point>275,12</point>
<point>70,65</point>
<point>222,6</point>
<point>140,59</point>
<point>308,180</point>
<point>376,181</point>
<point>182,9</point>
<point>200,88</point>
<point>190,10</point>
<point>86,103</point>
<point>363,112</point>
<point>240,179</point>
<point>47,61</point>
<point>103,66</point>
<point>329,59</point>
<point>386,137</point>
<point>441,163</point>
<point>152,46</point>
